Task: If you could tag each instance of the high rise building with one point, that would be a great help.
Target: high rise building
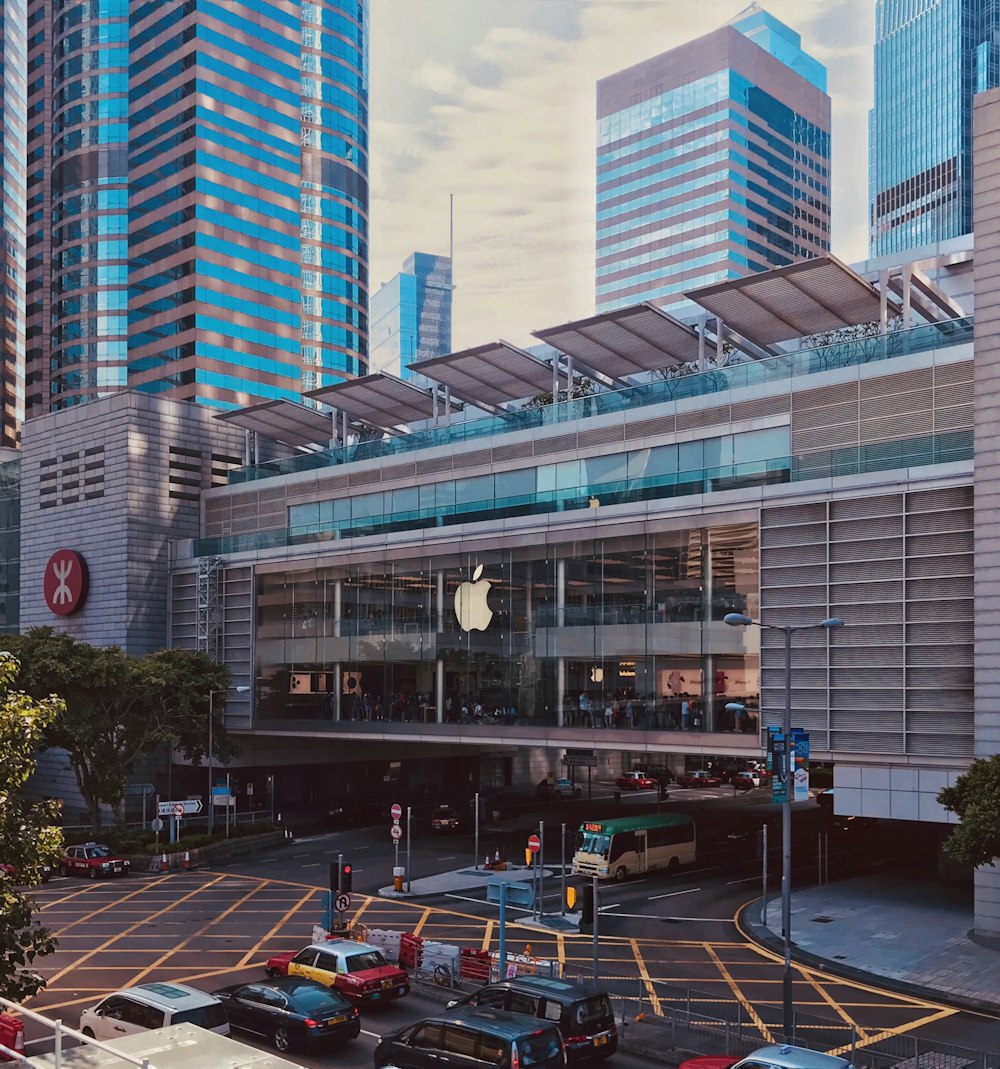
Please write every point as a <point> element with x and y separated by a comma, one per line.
<point>931,58</point>
<point>14,108</point>
<point>198,199</point>
<point>411,315</point>
<point>713,162</point>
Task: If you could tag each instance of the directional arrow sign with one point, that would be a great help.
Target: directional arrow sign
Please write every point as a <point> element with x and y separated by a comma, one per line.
<point>188,807</point>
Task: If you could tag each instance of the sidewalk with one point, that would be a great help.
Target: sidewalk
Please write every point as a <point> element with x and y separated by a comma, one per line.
<point>901,931</point>
<point>906,932</point>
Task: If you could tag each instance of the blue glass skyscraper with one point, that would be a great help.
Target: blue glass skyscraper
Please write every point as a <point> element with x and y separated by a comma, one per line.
<point>199,198</point>
<point>931,58</point>
<point>411,315</point>
<point>713,161</point>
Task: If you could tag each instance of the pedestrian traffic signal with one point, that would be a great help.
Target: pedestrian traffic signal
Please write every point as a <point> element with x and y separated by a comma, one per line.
<point>346,875</point>
<point>587,905</point>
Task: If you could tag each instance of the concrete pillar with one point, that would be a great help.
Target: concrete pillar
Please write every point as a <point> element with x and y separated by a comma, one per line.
<point>560,593</point>
<point>338,686</point>
<point>560,690</point>
<point>338,604</point>
<point>439,692</point>
<point>707,658</point>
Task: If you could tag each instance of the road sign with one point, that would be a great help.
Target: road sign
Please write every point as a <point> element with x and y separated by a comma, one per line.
<point>396,811</point>
<point>396,832</point>
<point>156,824</point>
<point>534,843</point>
<point>343,903</point>
<point>189,806</point>
<point>178,809</point>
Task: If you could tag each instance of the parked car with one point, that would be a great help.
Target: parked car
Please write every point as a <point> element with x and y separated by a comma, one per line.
<point>560,788</point>
<point>825,798</point>
<point>584,1014</point>
<point>445,819</point>
<point>290,1011</point>
<point>661,774</point>
<point>158,1005</point>
<point>10,872</point>
<point>93,860</point>
<point>466,1037</point>
<point>745,781</point>
<point>699,779</point>
<point>774,1057</point>
<point>357,970</point>
<point>635,781</point>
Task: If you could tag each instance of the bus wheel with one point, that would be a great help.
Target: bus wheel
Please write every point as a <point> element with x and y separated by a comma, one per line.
<point>673,866</point>
<point>620,873</point>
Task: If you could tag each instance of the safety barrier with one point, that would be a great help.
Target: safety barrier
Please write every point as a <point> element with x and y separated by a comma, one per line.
<point>475,965</point>
<point>411,951</point>
<point>386,940</point>
<point>11,1037</point>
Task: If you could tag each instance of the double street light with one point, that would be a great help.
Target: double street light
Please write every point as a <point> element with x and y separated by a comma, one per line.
<point>211,726</point>
<point>784,772</point>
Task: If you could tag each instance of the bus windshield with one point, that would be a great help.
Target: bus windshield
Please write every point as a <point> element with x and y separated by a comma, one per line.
<point>594,843</point>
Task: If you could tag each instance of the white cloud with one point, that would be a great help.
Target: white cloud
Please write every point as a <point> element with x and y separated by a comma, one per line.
<point>501,113</point>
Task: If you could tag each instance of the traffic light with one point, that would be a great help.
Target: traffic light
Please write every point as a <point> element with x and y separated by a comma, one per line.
<point>340,877</point>
<point>346,875</point>
<point>587,904</point>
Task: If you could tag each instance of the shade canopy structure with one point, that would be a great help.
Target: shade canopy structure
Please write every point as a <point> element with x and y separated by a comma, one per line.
<point>283,421</point>
<point>381,400</point>
<point>797,301</point>
<point>489,375</point>
<point>626,341</point>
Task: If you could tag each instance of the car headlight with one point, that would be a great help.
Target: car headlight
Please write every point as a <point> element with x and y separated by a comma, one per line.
<point>604,870</point>
<point>105,865</point>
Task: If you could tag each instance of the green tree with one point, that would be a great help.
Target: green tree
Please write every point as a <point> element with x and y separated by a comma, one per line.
<point>29,838</point>
<point>120,708</point>
<point>975,799</point>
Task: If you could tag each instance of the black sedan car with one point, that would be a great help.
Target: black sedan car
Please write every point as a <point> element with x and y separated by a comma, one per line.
<point>290,1011</point>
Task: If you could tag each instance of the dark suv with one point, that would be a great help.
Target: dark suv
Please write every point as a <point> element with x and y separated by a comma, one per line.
<point>584,1014</point>
<point>473,1039</point>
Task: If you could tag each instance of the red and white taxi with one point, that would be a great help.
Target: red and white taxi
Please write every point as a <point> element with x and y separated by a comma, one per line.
<point>356,970</point>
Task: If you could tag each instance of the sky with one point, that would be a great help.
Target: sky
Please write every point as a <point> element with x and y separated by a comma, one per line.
<point>494,101</point>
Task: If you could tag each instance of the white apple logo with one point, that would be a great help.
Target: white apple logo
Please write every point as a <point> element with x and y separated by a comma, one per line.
<point>471,607</point>
<point>596,675</point>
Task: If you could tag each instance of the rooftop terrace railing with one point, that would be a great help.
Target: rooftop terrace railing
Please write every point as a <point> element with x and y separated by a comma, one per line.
<point>846,353</point>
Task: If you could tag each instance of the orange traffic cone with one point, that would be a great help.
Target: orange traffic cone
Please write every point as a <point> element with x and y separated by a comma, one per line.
<point>187,859</point>
<point>164,864</point>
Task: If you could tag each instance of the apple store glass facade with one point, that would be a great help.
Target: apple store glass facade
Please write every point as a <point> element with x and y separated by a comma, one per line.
<point>622,632</point>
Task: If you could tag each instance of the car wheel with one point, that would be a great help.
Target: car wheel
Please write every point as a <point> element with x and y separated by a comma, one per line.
<point>273,973</point>
<point>578,793</point>
<point>282,1040</point>
<point>63,871</point>
<point>92,873</point>
<point>620,873</point>
<point>88,1033</point>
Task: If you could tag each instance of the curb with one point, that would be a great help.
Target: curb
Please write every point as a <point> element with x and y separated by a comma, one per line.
<point>763,937</point>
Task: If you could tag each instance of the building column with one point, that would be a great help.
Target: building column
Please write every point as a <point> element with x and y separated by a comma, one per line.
<point>707,657</point>
<point>560,593</point>
<point>338,686</point>
<point>338,604</point>
<point>560,690</point>
<point>439,692</point>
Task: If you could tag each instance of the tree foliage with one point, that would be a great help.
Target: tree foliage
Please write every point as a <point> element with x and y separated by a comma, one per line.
<point>29,838</point>
<point>120,708</point>
<point>975,799</point>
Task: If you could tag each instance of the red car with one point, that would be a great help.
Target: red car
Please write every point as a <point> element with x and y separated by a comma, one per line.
<point>700,779</point>
<point>94,860</point>
<point>356,970</point>
<point>635,781</point>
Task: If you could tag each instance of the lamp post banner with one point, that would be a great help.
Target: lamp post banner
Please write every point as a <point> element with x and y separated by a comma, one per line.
<point>779,777</point>
<point>800,772</point>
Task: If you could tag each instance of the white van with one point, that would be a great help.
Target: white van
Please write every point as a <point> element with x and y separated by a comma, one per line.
<point>147,1006</point>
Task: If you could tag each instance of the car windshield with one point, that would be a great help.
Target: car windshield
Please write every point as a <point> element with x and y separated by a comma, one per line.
<point>211,1016</point>
<point>314,1002</point>
<point>371,959</point>
<point>594,1010</point>
<point>595,843</point>
<point>98,851</point>
<point>539,1047</point>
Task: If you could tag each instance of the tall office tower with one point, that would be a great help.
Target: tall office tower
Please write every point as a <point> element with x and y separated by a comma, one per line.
<point>713,161</point>
<point>14,109</point>
<point>198,198</point>
<point>411,315</point>
<point>931,58</point>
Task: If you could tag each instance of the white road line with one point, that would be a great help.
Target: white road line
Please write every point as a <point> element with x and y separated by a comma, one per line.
<point>656,898</point>
<point>372,1035</point>
<point>314,866</point>
<point>660,917</point>
<point>611,905</point>
<point>266,860</point>
<point>748,879</point>
<point>451,858</point>
<point>362,848</point>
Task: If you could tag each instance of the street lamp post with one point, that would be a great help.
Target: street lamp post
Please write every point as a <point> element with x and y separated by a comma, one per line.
<point>211,725</point>
<point>738,619</point>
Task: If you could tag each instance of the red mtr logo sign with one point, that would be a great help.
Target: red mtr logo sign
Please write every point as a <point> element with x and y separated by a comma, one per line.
<point>64,582</point>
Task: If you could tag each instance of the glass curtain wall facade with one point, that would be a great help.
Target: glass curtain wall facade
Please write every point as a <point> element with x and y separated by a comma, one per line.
<point>411,315</point>
<point>203,169</point>
<point>931,58</point>
<point>14,109</point>
<point>621,632</point>
<point>713,162</point>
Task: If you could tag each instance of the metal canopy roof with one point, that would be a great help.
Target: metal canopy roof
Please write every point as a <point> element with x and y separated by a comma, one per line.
<point>284,421</point>
<point>792,302</point>
<point>491,374</point>
<point>626,341</point>
<point>381,400</point>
